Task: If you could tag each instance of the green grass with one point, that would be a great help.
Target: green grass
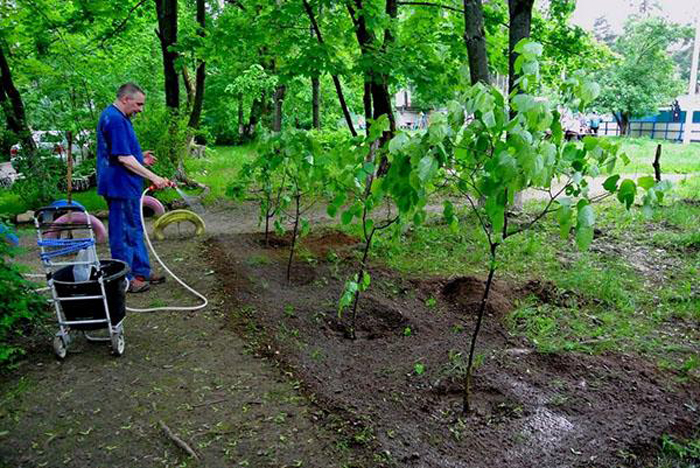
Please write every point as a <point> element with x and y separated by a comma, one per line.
<point>676,158</point>
<point>679,453</point>
<point>12,204</point>
<point>217,170</point>
<point>220,167</point>
<point>606,302</point>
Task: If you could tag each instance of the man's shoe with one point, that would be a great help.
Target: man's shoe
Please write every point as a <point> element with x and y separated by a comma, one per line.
<point>153,279</point>
<point>137,285</point>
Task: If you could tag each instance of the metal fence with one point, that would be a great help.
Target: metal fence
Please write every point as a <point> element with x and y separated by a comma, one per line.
<point>656,130</point>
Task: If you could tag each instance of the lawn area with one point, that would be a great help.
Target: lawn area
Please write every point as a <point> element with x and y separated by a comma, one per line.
<point>216,170</point>
<point>638,281</point>
<point>676,158</point>
<point>220,167</point>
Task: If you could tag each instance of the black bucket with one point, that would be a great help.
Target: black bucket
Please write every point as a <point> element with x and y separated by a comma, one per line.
<point>114,272</point>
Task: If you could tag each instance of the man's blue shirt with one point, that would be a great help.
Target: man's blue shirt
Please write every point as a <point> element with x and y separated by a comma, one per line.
<point>116,137</point>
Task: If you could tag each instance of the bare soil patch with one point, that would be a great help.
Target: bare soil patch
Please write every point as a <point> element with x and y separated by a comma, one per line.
<point>532,409</point>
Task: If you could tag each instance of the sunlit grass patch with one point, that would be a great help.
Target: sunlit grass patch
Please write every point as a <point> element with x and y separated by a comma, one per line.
<point>676,158</point>
<point>220,167</point>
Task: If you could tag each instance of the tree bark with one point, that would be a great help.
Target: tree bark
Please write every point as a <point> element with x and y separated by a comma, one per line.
<point>12,105</point>
<point>657,163</point>
<point>520,21</point>
<point>256,112</point>
<point>475,40</point>
<point>167,34</point>
<point>189,89</point>
<point>241,125</point>
<point>378,81</point>
<point>198,102</point>
<point>316,102</point>
<point>336,80</point>
<point>367,102</point>
<point>279,101</point>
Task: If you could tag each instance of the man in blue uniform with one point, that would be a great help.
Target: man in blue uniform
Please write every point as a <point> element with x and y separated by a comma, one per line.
<point>120,173</point>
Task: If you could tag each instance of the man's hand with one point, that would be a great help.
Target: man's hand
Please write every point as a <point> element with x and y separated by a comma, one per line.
<point>162,182</point>
<point>149,158</point>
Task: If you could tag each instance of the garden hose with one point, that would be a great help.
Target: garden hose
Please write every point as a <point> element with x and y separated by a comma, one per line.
<point>150,246</point>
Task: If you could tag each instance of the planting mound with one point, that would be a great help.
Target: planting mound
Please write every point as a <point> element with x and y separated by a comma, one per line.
<point>468,293</point>
<point>400,381</point>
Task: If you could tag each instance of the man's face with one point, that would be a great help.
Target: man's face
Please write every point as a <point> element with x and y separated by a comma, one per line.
<point>133,104</point>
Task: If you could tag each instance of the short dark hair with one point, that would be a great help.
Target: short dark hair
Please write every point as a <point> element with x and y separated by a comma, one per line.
<point>129,89</point>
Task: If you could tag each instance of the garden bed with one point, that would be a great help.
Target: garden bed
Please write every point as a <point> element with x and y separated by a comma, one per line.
<point>399,381</point>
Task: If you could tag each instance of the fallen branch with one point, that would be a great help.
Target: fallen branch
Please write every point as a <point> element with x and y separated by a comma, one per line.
<point>178,441</point>
<point>208,403</point>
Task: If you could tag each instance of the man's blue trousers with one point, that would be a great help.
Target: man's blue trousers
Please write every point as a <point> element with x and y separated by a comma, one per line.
<point>126,235</point>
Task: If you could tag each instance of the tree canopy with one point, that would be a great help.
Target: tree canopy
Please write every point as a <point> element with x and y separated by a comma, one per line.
<point>643,75</point>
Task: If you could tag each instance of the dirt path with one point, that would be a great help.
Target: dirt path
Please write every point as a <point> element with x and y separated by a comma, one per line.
<point>189,370</point>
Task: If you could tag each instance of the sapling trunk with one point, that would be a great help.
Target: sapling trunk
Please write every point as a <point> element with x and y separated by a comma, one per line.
<point>268,215</point>
<point>466,408</point>
<point>360,275</point>
<point>297,215</point>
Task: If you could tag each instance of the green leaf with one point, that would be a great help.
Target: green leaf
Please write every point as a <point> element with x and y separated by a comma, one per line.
<point>610,183</point>
<point>365,281</point>
<point>627,192</point>
<point>586,215</point>
<point>589,91</point>
<point>398,142</point>
<point>523,102</point>
<point>346,217</point>
<point>496,213</point>
<point>305,227</point>
<point>646,182</point>
<point>533,48</point>
<point>489,119</point>
<point>426,167</point>
<point>419,368</point>
<point>584,226</point>
<point>564,217</point>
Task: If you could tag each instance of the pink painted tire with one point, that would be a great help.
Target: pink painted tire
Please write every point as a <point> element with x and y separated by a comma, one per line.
<point>97,227</point>
<point>156,208</point>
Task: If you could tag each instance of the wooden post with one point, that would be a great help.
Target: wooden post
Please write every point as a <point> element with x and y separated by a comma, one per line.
<point>656,164</point>
<point>69,161</point>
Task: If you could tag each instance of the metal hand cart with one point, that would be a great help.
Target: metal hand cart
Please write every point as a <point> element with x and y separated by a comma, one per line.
<point>88,294</point>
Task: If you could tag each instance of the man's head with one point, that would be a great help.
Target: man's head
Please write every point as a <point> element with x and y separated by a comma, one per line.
<point>130,99</point>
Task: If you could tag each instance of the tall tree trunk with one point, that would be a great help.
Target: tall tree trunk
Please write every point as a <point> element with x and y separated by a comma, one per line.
<point>520,20</point>
<point>198,103</point>
<point>475,40</point>
<point>336,80</point>
<point>241,125</point>
<point>378,81</point>
<point>167,33</point>
<point>625,124</point>
<point>256,111</point>
<point>316,102</point>
<point>520,12</point>
<point>12,105</point>
<point>279,100</point>
<point>367,102</point>
<point>189,89</point>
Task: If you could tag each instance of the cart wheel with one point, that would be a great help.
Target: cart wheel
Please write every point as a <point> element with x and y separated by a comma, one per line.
<point>59,347</point>
<point>118,343</point>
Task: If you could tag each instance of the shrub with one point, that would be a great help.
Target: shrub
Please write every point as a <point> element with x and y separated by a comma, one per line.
<point>42,172</point>
<point>20,308</point>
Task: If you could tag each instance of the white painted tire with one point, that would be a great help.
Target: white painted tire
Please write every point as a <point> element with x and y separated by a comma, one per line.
<point>154,205</point>
<point>97,227</point>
